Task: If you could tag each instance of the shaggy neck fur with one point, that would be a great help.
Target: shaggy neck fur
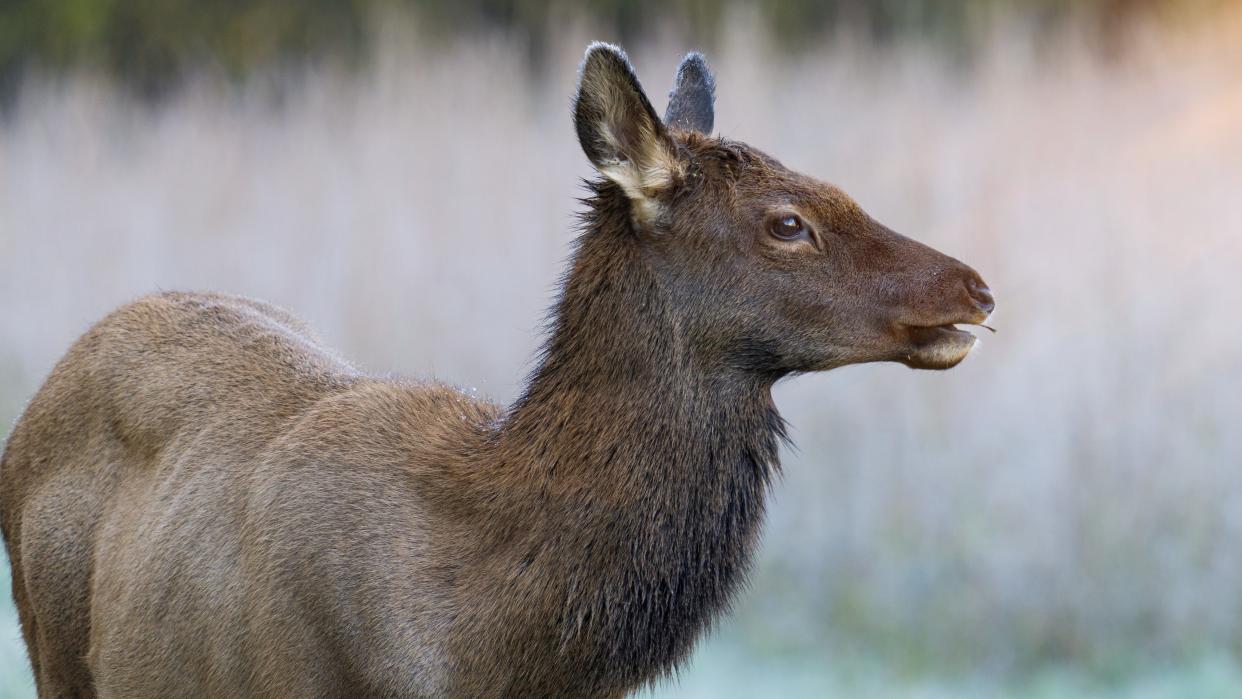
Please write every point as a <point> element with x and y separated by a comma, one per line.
<point>649,471</point>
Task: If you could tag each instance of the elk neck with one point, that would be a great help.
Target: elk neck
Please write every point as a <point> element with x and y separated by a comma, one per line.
<point>643,471</point>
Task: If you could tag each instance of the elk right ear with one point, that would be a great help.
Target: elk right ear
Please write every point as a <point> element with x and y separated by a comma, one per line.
<point>619,130</point>
<point>692,103</point>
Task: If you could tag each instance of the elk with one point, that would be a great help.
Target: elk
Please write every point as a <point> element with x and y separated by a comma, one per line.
<point>202,501</point>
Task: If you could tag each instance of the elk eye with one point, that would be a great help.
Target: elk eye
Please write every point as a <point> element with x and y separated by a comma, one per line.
<point>788,227</point>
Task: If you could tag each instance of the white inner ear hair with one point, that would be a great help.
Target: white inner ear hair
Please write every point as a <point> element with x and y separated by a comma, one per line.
<point>642,178</point>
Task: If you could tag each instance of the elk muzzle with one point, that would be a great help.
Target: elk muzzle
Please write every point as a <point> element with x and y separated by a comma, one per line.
<point>931,338</point>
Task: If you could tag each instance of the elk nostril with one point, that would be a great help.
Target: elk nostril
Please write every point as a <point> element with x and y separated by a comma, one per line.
<point>980,294</point>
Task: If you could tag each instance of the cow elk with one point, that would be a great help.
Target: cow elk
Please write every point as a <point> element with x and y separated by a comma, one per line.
<point>202,501</point>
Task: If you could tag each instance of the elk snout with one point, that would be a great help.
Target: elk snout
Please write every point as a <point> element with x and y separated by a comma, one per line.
<point>931,336</point>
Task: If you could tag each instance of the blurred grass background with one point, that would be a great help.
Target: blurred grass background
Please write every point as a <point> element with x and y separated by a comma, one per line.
<point>1056,518</point>
<point>150,46</point>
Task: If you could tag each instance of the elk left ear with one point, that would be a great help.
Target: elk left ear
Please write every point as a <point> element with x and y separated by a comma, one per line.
<point>692,103</point>
<point>619,130</point>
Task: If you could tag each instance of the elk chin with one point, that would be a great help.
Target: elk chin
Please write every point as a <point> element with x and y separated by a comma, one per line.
<point>937,347</point>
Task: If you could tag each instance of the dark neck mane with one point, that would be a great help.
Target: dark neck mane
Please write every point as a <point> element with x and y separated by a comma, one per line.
<point>648,472</point>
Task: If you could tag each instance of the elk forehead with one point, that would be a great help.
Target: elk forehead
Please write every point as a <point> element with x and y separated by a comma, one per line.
<point>765,180</point>
<point>833,206</point>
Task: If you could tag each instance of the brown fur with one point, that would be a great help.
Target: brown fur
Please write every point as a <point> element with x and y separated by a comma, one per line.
<point>202,501</point>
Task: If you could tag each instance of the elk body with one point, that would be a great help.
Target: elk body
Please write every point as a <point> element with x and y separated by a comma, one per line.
<point>201,501</point>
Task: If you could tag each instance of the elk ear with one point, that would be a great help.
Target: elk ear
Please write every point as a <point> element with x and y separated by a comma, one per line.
<point>692,103</point>
<point>617,127</point>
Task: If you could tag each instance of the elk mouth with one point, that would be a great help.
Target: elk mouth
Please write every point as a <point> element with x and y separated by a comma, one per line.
<point>938,346</point>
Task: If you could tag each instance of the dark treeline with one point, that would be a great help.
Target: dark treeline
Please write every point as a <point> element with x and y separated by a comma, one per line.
<point>150,45</point>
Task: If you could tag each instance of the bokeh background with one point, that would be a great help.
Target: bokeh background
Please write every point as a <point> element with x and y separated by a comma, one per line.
<point>1061,516</point>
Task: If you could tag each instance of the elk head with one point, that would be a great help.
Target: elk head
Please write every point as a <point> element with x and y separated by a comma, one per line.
<point>770,271</point>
